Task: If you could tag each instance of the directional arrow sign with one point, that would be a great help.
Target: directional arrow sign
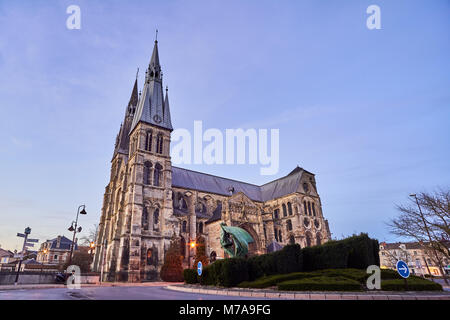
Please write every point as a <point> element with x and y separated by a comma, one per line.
<point>32,240</point>
<point>402,269</point>
<point>21,235</point>
<point>199,268</point>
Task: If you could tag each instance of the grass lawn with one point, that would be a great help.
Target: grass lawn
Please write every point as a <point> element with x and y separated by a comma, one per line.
<point>339,280</point>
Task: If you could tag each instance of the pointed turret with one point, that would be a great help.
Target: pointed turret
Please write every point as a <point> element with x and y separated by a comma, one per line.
<point>123,140</point>
<point>166,110</point>
<point>151,107</point>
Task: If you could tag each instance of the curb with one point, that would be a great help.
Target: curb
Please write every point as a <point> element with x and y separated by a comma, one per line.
<point>87,285</point>
<point>306,295</point>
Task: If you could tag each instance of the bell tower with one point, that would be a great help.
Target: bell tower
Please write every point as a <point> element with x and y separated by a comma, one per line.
<point>149,206</point>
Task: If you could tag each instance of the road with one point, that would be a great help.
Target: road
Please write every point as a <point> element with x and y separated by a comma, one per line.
<point>109,293</point>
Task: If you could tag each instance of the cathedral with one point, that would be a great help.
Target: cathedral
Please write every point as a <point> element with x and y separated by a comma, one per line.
<point>148,202</point>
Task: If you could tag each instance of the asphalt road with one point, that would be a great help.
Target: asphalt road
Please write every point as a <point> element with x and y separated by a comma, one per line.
<point>109,293</point>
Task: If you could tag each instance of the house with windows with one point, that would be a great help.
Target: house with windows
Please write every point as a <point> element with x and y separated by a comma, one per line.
<point>420,258</point>
<point>55,251</point>
<point>148,202</point>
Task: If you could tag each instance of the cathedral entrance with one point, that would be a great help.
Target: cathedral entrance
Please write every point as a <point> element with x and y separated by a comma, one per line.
<point>253,247</point>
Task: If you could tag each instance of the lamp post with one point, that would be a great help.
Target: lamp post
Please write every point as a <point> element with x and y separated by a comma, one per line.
<point>429,237</point>
<point>74,227</point>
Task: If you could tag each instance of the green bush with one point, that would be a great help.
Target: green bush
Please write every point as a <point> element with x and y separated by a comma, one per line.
<point>321,284</point>
<point>230,272</point>
<point>208,276</point>
<point>287,260</point>
<point>357,252</point>
<point>190,276</point>
<point>414,284</point>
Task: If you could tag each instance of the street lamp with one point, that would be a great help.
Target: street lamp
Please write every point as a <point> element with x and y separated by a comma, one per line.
<point>413,195</point>
<point>74,228</point>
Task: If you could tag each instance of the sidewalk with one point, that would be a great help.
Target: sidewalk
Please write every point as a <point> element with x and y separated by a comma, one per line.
<point>292,295</point>
<point>104,284</point>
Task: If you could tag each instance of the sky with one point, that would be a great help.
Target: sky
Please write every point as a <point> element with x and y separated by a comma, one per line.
<point>367,111</point>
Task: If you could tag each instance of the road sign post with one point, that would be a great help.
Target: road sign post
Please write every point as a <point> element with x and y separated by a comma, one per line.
<point>403,271</point>
<point>26,243</point>
<point>199,268</point>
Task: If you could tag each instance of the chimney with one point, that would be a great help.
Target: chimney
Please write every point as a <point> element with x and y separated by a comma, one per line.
<point>58,242</point>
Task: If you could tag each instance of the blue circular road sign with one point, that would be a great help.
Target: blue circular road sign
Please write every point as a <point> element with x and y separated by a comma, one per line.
<point>199,268</point>
<point>402,269</point>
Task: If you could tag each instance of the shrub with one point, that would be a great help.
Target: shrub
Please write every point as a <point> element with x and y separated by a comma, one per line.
<point>414,284</point>
<point>357,252</point>
<point>230,272</point>
<point>321,284</point>
<point>190,276</point>
<point>287,260</point>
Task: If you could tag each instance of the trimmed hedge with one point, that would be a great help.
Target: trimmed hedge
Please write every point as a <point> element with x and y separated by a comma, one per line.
<point>354,252</point>
<point>414,284</point>
<point>287,260</point>
<point>357,252</point>
<point>190,276</point>
<point>321,284</point>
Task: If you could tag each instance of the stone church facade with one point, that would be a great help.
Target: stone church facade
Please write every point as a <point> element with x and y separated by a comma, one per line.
<point>148,202</point>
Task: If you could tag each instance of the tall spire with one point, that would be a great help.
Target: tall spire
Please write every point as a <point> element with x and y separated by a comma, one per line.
<point>151,107</point>
<point>166,111</point>
<point>123,140</point>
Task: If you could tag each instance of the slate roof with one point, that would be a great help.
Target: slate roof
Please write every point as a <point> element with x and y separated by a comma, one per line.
<point>64,245</point>
<point>184,178</point>
<point>123,138</point>
<point>151,107</point>
<point>6,253</point>
<point>217,214</point>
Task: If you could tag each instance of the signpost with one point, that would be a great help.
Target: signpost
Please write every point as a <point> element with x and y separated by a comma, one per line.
<point>199,268</point>
<point>26,243</point>
<point>403,271</point>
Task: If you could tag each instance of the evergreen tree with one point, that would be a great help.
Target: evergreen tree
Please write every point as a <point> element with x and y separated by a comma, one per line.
<point>201,253</point>
<point>172,269</point>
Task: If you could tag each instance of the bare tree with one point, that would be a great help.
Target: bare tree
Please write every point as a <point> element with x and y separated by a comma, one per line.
<point>426,219</point>
<point>91,236</point>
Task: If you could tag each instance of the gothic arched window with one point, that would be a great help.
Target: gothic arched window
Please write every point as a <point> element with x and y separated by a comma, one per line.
<point>289,225</point>
<point>145,219</point>
<point>291,240</point>
<point>284,210</point>
<point>212,256</point>
<point>304,205</point>
<point>308,240</point>
<point>318,240</point>
<point>280,236</point>
<point>184,227</point>
<point>276,213</point>
<point>159,144</point>
<point>148,140</point>
<point>156,219</point>
<point>183,247</point>
<point>147,169</point>
<point>200,227</point>
<point>313,209</point>
<point>157,175</point>
<point>276,234</point>
<point>309,208</point>
<point>290,208</point>
<point>149,257</point>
